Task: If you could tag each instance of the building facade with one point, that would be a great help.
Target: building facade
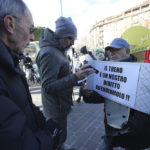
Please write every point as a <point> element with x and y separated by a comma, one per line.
<point>103,32</point>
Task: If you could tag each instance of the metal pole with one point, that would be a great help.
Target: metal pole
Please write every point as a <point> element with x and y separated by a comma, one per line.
<point>61,7</point>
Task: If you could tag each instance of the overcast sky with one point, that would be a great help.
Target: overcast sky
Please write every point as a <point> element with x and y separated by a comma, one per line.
<point>84,13</point>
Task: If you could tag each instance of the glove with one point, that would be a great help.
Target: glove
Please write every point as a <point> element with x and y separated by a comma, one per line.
<point>54,130</point>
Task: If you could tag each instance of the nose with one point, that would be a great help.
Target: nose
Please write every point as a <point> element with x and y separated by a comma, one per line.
<point>32,37</point>
<point>111,53</point>
<point>72,42</point>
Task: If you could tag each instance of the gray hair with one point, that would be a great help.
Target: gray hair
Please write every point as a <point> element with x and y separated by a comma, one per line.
<point>12,7</point>
<point>16,8</point>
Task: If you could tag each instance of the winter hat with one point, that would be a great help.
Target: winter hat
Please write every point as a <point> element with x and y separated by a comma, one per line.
<point>83,50</point>
<point>99,53</point>
<point>65,28</point>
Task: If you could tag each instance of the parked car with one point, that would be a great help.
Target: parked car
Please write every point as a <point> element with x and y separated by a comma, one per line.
<point>32,50</point>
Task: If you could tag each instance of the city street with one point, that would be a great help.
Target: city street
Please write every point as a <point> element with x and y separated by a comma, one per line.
<point>85,122</point>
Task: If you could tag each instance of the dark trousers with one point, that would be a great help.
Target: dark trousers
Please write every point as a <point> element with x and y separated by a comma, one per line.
<point>62,122</point>
<point>129,141</point>
<point>106,144</point>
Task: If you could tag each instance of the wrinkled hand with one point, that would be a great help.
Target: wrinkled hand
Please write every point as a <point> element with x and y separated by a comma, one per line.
<point>86,92</point>
<point>84,71</point>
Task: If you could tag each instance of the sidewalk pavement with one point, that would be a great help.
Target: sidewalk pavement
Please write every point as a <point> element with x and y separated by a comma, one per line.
<point>85,122</point>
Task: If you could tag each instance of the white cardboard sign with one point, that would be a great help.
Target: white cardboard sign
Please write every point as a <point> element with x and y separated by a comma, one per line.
<point>116,81</point>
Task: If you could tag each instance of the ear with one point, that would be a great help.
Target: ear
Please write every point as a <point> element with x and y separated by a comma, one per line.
<point>9,23</point>
<point>127,51</point>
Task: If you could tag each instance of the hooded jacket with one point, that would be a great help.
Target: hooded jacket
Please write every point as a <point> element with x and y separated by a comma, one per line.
<point>21,122</point>
<point>56,77</point>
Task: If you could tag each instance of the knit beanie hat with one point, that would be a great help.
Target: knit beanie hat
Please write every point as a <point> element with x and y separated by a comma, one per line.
<point>83,50</point>
<point>65,28</point>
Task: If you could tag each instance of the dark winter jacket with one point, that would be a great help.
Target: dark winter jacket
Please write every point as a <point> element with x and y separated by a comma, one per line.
<point>27,61</point>
<point>22,125</point>
<point>56,77</point>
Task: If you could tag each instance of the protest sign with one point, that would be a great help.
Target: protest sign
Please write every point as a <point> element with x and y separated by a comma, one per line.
<point>122,82</point>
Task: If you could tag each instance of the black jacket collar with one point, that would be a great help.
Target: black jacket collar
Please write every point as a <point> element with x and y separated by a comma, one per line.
<point>9,59</point>
<point>130,58</point>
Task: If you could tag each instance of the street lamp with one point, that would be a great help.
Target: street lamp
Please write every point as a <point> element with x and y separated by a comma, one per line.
<point>61,7</point>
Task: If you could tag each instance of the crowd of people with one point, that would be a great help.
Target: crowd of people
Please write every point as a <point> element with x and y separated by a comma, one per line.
<point>22,125</point>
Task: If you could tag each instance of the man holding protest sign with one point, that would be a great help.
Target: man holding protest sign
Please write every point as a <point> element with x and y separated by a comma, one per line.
<point>124,126</point>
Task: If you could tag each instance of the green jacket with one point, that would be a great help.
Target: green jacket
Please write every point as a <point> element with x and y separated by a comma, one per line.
<point>56,77</point>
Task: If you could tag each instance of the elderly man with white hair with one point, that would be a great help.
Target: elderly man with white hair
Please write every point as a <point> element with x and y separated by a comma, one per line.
<point>124,127</point>
<point>22,124</point>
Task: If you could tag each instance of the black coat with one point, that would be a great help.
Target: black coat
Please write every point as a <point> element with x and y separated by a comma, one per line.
<point>22,125</point>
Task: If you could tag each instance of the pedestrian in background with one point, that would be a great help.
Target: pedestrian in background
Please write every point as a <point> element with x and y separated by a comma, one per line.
<point>84,56</point>
<point>56,77</point>
<point>75,62</point>
<point>27,61</point>
<point>99,54</point>
<point>124,127</point>
<point>83,59</point>
<point>22,124</point>
<point>29,71</point>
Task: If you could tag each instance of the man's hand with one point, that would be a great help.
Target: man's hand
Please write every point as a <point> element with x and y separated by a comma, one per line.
<point>84,71</point>
<point>90,96</point>
<point>86,92</point>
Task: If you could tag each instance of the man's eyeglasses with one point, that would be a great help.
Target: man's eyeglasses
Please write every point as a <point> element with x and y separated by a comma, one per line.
<point>114,49</point>
<point>31,29</point>
<point>71,38</point>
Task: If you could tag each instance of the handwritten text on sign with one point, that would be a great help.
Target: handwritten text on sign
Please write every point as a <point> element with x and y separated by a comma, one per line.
<point>116,81</point>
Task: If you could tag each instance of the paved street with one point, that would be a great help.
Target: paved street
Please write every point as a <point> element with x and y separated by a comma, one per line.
<point>85,122</point>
